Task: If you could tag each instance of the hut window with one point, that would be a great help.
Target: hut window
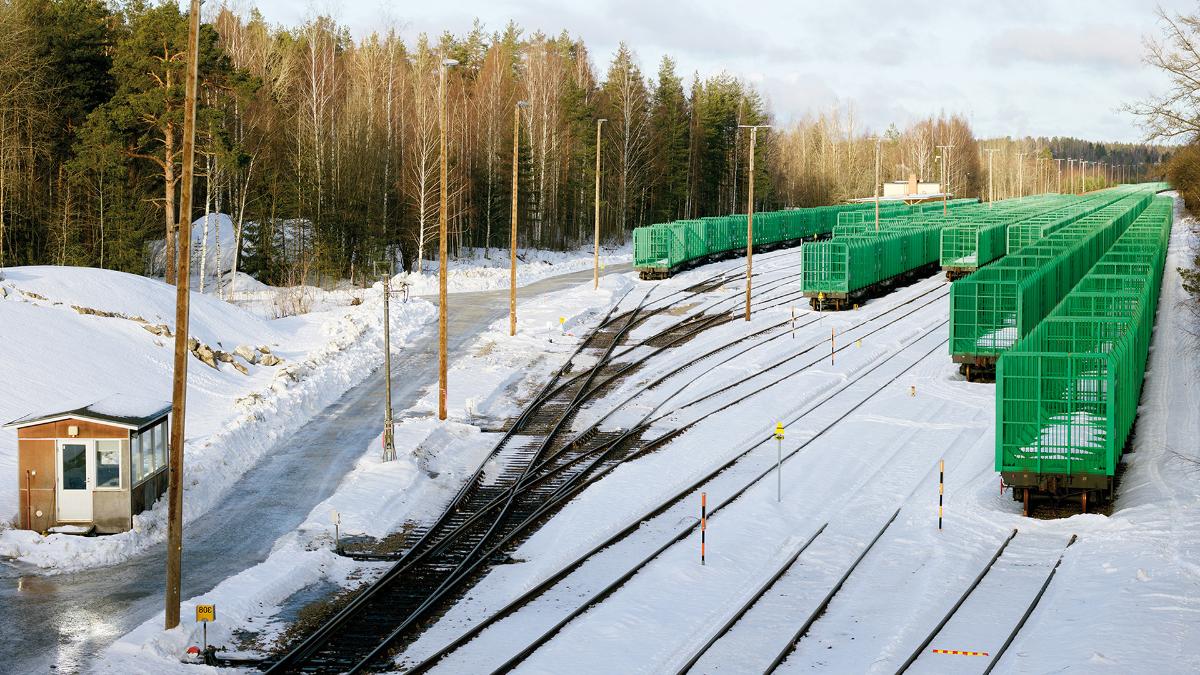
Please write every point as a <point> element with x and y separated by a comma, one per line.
<point>162,444</point>
<point>108,464</point>
<point>149,440</point>
<point>135,455</point>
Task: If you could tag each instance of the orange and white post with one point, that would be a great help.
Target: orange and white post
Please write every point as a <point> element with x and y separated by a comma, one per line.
<point>703,522</point>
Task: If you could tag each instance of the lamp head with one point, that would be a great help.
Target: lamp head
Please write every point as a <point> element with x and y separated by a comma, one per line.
<point>449,63</point>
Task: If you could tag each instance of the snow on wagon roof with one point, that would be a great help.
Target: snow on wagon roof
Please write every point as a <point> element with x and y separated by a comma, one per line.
<point>119,409</point>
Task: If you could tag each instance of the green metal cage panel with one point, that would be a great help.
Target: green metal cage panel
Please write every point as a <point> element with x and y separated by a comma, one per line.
<point>996,306</point>
<point>1067,395</point>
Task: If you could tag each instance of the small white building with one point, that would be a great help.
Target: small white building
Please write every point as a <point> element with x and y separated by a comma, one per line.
<point>899,189</point>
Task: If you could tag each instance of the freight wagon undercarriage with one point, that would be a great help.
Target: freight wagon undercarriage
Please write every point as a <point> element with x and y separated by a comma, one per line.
<point>1089,490</point>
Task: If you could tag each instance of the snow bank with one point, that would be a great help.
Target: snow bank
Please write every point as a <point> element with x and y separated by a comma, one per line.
<point>80,334</point>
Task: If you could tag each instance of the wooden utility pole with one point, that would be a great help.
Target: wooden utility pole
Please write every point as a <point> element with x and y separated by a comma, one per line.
<point>945,175</point>
<point>596,218</point>
<point>512,243</point>
<point>991,184</point>
<point>1021,174</point>
<point>750,210</point>
<point>182,282</point>
<point>442,253</point>
<point>878,159</point>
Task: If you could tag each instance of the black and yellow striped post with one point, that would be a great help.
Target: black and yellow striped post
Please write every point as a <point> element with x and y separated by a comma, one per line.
<point>793,323</point>
<point>703,522</point>
<point>941,488</point>
<point>832,344</point>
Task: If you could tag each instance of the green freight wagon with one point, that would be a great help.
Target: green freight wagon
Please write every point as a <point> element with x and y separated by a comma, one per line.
<point>837,273</point>
<point>661,249</point>
<point>657,250</point>
<point>993,308</point>
<point>1067,395</point>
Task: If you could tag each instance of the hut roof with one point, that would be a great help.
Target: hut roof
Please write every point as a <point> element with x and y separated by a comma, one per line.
<point>122,410</point>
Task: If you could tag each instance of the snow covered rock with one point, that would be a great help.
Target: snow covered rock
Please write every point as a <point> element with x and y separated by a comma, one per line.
<point>247,353</point>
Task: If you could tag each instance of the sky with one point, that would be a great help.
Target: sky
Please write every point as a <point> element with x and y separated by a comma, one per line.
<point>1045,68</point>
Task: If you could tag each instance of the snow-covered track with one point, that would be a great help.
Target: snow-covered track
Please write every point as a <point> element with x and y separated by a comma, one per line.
<point>992,600</point>
<point>531,472</point>
<point>583,599</point>
<point>754,598</point>
<point>820,608</point>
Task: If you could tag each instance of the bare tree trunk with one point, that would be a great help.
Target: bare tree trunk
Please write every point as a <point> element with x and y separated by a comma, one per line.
<point>204,229</point>
<point>237,235</point>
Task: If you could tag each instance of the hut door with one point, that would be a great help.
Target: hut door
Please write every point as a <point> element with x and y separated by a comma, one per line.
<point>75,471</point>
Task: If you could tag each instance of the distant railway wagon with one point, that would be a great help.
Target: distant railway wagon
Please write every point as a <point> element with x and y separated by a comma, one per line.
<point>1023,234</point>
<point>993,308</point>
<point>861,260</point>
<point>1067,394</point>
<point>978,238</point>
<point>662,249</point>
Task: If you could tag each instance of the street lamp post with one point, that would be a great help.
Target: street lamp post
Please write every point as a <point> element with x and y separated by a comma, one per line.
<point>596,250</point>
<point>991,184</point>
<point>750,210</point>
<point>945,176</point>
<point>442,253</point>
<point>1058,183</point>
<point>878,159</point>
<point>512,241</point>
<point>1021,174</point>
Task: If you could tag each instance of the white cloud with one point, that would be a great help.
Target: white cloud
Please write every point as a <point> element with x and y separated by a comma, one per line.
<point>1019,67</point>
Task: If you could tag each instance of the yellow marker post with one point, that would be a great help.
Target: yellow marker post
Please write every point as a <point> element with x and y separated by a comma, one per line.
<point>779,462</point>
<point>912,390</point>
<point>205,614</point>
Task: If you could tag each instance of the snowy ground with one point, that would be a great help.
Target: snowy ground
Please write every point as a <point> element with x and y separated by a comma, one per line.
<point>1124,600</point>
<point>73,336</point>
<point>377,498</point>
<point>865,432</point>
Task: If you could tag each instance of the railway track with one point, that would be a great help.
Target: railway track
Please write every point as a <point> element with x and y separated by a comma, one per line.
<point>1004,593</point>
<point>538,470</point>
<point>560,588</point>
